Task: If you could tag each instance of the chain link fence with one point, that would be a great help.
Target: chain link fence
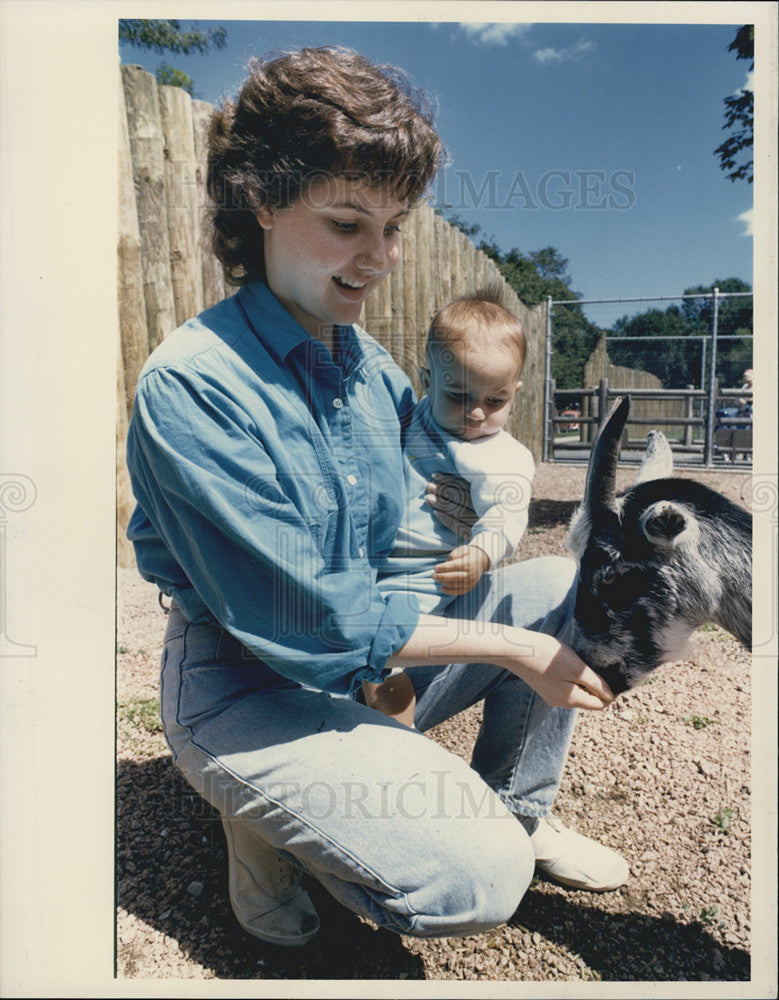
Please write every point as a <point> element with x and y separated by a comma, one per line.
<point>686,361</point>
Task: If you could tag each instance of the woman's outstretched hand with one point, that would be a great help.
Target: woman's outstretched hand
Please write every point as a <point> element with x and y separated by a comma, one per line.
<point>545,664</point>
<point>563,680</point>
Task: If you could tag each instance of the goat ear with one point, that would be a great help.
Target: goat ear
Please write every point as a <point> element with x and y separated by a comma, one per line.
<point>658,462</point>
<point>602,470</point>
<point>663,522</point>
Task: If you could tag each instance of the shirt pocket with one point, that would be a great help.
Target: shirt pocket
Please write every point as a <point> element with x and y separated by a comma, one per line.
<point>319,503</point>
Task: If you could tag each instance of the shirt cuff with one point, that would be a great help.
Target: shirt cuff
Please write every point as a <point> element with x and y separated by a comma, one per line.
<point>397,624</point>
<point>494,543</point>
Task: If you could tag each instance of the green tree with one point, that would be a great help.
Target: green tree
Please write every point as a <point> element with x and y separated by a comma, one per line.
<point>676,363</point>
<point>680,362</point>
<point>533,276</point>
<point>739,115</point>
<point>167,76</point>
<point>168,36</point>
<point>734,320</point>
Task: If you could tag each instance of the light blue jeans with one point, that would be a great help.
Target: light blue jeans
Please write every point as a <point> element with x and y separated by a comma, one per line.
<point>394,826</point>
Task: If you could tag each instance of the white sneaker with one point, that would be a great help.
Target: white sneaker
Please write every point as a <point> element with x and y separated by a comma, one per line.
<point>575,860</point>
<point>266,894</point>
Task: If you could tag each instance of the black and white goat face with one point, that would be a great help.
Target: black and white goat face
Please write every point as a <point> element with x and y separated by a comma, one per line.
<point>656,562</point>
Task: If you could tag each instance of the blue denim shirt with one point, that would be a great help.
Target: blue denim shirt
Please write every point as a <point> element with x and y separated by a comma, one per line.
<point>269,480</point>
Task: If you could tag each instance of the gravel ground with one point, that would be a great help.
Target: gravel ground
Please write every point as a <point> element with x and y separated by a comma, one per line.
<point>663,775</point>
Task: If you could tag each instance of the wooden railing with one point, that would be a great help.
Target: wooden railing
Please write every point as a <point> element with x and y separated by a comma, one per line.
<point>689,433</point>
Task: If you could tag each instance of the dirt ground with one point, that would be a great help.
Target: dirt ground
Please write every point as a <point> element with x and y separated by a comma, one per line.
<point>663,775</point>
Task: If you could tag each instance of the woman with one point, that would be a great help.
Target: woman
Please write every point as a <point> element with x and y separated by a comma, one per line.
<point>265,456</point>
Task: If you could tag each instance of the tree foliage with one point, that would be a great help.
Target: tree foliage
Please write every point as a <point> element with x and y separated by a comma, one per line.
<point>679,363</point>
<point>167,36</point>
<point>740,115</point>
<point>167,76</point>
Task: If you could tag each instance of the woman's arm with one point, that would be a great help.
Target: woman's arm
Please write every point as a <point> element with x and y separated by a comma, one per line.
<point>237,534</point>
<point>547,665</point>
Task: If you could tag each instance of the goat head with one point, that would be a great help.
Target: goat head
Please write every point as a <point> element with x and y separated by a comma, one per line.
<point>655,562</point>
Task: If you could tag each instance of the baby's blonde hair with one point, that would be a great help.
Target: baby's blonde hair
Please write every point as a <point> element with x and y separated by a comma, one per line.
<point>480,320</point>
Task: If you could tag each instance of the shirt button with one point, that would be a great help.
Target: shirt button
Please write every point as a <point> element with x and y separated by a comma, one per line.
<point>351,479</point>
<point>338,402</point>
<point>361,552</point>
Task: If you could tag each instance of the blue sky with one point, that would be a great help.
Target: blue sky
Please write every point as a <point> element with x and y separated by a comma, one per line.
<point>596,139</point>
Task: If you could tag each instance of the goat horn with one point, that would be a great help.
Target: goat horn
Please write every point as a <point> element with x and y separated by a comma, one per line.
<point>602,470</point>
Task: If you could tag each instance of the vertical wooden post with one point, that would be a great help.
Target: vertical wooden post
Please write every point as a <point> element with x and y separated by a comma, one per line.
<point>408,320</point>
<point>425,268</point>
<point>480,270</point>
<point>455,264</point>
<point>425,295</point>
<point>466,263</point>
<point>146,147</point>
<point>182,202</point>
<point>378,314</point>
<point>450,260</point>
<point>134,337</point>
<point>395,345</point>
<point>436,265</point>
<point>124,496</point>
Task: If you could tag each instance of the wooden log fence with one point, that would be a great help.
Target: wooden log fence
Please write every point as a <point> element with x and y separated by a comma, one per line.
<point>181,202</point>
<point>167,273</point>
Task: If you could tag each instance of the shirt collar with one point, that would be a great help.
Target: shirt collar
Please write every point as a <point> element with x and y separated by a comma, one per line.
<point>279,332</point>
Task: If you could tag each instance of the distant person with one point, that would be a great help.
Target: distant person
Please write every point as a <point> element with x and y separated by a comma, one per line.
<point>475,352</point>
<point>745,402</point>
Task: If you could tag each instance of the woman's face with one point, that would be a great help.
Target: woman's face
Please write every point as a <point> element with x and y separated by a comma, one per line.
<point>329,249</point>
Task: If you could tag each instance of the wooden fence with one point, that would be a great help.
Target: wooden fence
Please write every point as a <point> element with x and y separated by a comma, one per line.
<point>599,366</point>
<point>167,275</point>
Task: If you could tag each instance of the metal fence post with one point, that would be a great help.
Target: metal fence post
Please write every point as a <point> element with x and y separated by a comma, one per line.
<point>688,415</point>
<point>548,395</point>
<point>703,363</point>
<point>708,448</point>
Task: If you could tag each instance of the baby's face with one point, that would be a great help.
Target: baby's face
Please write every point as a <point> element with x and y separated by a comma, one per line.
<point>471,391</point>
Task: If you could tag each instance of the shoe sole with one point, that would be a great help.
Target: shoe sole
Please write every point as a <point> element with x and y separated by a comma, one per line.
<point>585,888</point>
<point>281,942</point>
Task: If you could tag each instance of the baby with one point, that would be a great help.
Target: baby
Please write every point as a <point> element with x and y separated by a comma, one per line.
<point>475,352</point>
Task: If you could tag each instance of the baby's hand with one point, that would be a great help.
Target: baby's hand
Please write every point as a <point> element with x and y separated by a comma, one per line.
<point>462,570</point>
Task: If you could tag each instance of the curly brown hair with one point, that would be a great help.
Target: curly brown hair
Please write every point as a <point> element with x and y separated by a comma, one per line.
<point>302,115</point>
